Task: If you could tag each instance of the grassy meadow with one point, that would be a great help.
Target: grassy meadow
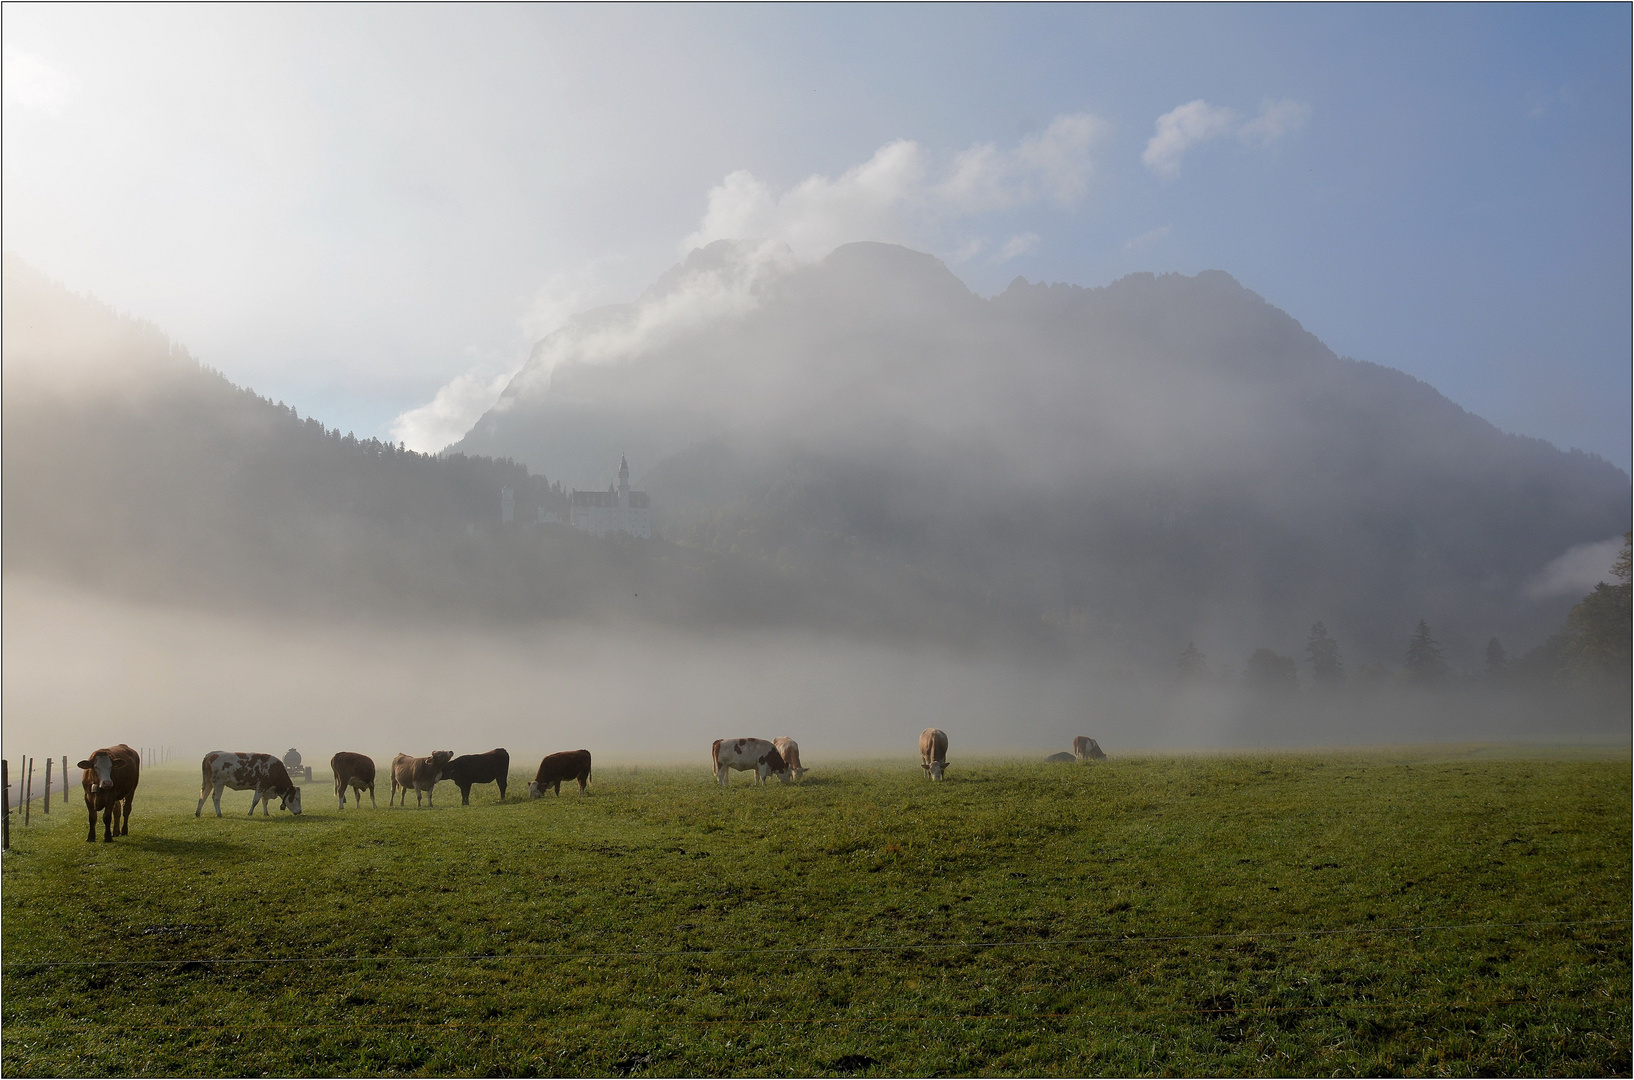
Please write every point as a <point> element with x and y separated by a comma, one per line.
<point>1456,911</point>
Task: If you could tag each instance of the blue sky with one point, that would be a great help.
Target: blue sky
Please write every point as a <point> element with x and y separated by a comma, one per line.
<point>362,210</point>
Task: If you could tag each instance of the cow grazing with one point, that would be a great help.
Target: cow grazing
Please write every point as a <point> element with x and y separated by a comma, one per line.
<point>933,752</point>
<point>791,755</point>
<point>109,781</point>
<point>355,771</point>
<point>417,774</point>
<point>1056,759</point>
<point>494,767</point>
<point>1085,748</point>
<point>742,754</point>
<point>261,773</point>
<point>567,765</point>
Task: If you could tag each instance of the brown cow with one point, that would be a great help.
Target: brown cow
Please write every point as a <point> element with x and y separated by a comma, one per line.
<point>567,765</point>
<point>1085,748</point>
<point>933,752</point>
<point>109,781</point>
<point>791,755</point>
<point>418,774</point>
<point>355,771</point>
<point>494,767</point>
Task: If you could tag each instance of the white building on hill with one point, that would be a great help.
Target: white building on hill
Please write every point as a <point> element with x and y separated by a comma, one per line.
<point>616,510</point>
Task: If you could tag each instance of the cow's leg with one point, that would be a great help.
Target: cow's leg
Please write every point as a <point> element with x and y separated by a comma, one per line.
<point>340,792</point>
<point>108,813</point>
<point>255,799</point>
<point>465,795</point>
<point>90,833</point>
<point>217,797</point>
<point>503,781</point>
<point>582,783</point>
<point>372,805</point>
<point>205,794</point>
<point>124,825</point>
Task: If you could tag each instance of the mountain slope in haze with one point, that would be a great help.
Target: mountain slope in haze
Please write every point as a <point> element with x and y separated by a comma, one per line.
<point>1163,459</point>
<point>131,469</point>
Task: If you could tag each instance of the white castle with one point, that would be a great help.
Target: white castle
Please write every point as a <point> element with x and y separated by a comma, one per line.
<point>616,510</point>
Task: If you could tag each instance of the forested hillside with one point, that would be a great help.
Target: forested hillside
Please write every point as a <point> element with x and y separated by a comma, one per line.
<point>1161,460</point>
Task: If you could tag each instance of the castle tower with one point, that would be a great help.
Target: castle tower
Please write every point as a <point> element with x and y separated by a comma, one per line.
<point>623,483</point>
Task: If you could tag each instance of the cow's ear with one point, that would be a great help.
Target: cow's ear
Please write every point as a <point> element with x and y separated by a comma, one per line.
<point>83,765</point>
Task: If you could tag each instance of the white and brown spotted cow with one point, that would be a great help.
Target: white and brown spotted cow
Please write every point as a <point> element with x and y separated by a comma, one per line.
<point>744,754</point>
<point>933,752</point>
<point>791,755</point>
<point>261,773</point>
<point>1085,748</point>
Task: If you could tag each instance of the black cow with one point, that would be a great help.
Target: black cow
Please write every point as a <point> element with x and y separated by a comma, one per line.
<point>491,768</point>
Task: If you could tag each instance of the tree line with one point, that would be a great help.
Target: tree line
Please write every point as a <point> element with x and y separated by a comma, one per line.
<point>1589,655</point>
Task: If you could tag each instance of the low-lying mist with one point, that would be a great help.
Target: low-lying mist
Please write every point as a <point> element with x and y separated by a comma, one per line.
<point>84,670</point>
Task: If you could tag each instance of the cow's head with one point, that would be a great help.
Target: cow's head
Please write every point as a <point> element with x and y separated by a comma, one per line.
<point>439,762</point>
<point>534,789</point>
<point>102,763</point>
<point>797,772</point>
<point>291,801</point>
<point>937,768</point>
<point>776,765</point>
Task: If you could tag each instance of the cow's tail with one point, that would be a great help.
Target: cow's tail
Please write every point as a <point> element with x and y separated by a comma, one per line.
<point>586,754</point>
<point>715,757</point>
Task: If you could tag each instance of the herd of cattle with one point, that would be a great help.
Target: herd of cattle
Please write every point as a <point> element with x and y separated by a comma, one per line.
<point>110,775</point>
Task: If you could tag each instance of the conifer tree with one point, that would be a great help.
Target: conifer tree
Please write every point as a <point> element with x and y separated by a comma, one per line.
<point>1322,652</point>
<point>1425,664</point>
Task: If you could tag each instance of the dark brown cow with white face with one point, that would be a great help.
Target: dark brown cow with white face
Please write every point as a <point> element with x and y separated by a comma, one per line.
<point>567,765</point>
<point>417,774</point>
<point>355,771</point>
<point>745,754</point>
<point>263,774</point>
<point>109,781</point>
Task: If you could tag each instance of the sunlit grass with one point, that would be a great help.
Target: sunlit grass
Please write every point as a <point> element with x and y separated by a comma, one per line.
<point>1150,915</point>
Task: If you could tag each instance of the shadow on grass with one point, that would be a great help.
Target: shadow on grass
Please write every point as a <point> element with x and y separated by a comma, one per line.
<point>170,845</point>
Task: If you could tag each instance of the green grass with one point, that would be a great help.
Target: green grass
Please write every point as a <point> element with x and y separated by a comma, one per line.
<point>1158,916</point>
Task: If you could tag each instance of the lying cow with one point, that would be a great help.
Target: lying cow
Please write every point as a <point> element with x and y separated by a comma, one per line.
<point>933,752</point>
<point>261,773</point>
<point>791,755</point>
<point>743,754</point>
<point>417,774</point>
<point>494,767</point>
<point>567,765</point>
<point>355,771</point>
<point>1085,748</point>
<point>109,781</point>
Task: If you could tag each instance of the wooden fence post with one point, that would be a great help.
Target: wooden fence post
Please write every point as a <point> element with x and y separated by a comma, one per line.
<point>47,807</point>
<point>28,785</point>
<point>65,780</point>
<point>5,823</point>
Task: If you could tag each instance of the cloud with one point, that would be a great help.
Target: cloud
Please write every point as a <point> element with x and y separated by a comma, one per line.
<point>1577,571</point>
<point>449,415</point>
<point>1181,128</point>
<point>1184,126</point>
<point>1150,236</point>
<point>1275,120</point>
<point>898,195</point>
<point>32,83</point>
<point>1018,245</point>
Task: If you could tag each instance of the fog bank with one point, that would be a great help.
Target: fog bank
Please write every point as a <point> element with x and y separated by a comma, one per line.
<point>84,671</point>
